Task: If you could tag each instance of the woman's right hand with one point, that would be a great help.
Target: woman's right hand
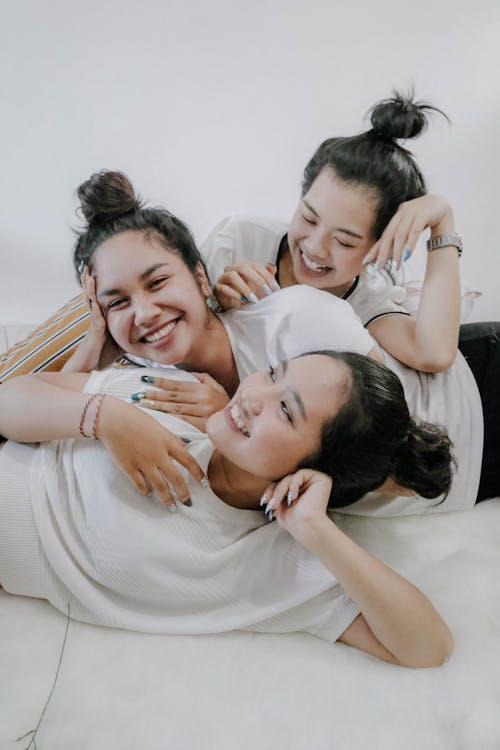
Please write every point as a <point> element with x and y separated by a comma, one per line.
<point>97,350</point>
<point>244,283</point>
<point>144,451</point>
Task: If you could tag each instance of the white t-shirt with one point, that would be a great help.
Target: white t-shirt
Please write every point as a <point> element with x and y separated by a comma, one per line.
<point>258,240</point>
<point>122,560</point>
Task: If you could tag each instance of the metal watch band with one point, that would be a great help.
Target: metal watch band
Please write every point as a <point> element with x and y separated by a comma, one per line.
<point>445,240</point>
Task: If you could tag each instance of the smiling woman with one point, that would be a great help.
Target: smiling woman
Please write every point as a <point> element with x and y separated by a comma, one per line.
<point>77,532</point>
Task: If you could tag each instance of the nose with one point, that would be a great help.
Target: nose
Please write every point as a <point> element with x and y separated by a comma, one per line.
<point>145,311</point>
<point>318,245</point>
<point>254,398</point>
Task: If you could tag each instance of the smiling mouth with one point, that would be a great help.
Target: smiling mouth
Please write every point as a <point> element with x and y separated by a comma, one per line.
<point>236,420</point>
<point>311,265</point>
<point>161,333</point>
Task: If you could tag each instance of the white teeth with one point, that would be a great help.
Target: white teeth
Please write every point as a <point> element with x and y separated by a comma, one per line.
<point>312,265</point>
<point>240,424</point>
<point>161,333</point>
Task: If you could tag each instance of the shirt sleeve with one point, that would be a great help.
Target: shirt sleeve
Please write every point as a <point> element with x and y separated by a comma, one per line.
<point>318,320</point>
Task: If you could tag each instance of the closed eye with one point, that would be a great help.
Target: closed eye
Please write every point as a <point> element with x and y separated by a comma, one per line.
<point>309,219</point>
<point>157,282</point>
<point>116,303</point>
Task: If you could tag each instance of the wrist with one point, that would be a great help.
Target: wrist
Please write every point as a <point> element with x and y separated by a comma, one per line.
<point>313,532</point>
<point>445,225</point>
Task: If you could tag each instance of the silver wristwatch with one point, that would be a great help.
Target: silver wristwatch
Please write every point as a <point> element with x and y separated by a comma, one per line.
<point>445,240</point>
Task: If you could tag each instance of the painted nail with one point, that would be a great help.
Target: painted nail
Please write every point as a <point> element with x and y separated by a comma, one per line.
<point>147,379</point>
<point>81,266</point>
<point>376,265</point>
<point>263,499</point>
<point>289,497</point>
<point>394,265</point>
<point>138,396</point>
<point>406,254</point>
<point>173,508</point>
<point>188,502</point>
<point>275,286</point>
<point>204,481</point>
<point>244,299</point>
<point>185,440</point>
<point>253,297</point>
<point>270,516</point>
<point>270,505</point>
<point>267,290</point>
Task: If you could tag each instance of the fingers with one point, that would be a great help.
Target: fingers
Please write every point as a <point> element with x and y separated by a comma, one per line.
<point>229,299</point>
<point>183,456</point>
<point>181,409</point>
<point>248,281</point>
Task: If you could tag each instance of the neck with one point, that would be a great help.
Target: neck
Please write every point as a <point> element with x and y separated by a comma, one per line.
<point>215,356</point>
<point>233,485</point>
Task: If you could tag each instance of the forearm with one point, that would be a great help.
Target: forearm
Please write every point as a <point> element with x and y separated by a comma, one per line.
<point>32,410</point>
<point>438,318</point>
<point>398,614</point>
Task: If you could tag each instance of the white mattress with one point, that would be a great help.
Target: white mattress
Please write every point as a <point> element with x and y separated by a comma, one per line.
<point>242,691</point>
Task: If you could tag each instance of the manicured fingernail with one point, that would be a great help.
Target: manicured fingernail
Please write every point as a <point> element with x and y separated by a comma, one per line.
<point>185,440</point>
<point>289,497</point>
<point>270,505</point>
<point>244,299</point>
<point>147,379</point>
<point>275,286</point>
<point>173,508</point>
<point>204,481</point>
<point>81,266</point>
<point>138,396</point>
<point>376,265</point>
<point>270,516</point>
<point>394,265</point>
<point>365,259</point>
<point>188,502</point>
<point>406,254</point>
<point>253,297</point>
<point>267,290</point>
<point>263,499</point>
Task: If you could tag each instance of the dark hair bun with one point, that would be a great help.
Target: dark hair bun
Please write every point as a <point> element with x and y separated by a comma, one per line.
<point>400,116</point>
<point>105,196</point>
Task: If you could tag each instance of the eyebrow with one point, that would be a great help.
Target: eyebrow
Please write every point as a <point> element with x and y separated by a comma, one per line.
<point>142,277</point>
<point>296,397</point>
<point>336,229</point>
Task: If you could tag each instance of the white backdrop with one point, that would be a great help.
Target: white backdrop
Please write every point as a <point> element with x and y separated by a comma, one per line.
<point>215,107</point>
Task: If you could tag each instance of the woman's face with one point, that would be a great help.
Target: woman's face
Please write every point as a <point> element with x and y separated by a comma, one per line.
<point>153,305</point>
<point>274,420</point>
<point>331,232</point>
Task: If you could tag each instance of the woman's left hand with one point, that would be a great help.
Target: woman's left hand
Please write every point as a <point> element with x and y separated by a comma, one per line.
<point>192,402</point>
<point>400,236</point>
<point>298,501</point>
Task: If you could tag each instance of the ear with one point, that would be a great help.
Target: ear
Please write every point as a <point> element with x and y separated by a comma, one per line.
<point>203,281</point>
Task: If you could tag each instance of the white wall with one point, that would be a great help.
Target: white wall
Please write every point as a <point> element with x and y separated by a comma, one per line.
<point>214,107</point>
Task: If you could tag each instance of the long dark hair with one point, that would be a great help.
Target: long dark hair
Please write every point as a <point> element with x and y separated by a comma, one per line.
<point>373,437</point>
<point>375,160</point>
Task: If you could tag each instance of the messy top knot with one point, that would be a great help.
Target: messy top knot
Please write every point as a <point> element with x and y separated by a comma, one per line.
<point>106,195</point>
<point>375,160</point>
<point>111,207</point>
<point>400,117</point>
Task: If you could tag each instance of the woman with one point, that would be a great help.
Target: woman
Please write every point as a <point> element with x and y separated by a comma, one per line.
<point>363,201</point>
<point>76,532</point>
